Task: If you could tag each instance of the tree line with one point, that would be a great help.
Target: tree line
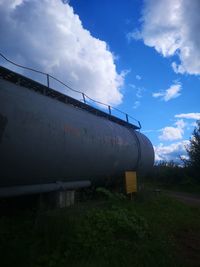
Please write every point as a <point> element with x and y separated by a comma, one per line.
<point>169,173</point>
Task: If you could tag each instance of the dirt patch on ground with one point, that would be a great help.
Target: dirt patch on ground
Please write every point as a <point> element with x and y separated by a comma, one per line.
<point>188,246</point>
<point>185,198</point>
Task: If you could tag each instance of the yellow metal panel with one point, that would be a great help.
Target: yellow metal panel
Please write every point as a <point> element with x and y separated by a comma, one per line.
<point>131,182</point>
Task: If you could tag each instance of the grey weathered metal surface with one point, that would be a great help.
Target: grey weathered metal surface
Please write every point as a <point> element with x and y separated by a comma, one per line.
<point>30,84</point>
<point>43,140</point>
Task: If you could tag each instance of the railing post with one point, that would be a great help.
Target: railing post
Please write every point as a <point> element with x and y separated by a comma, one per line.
<point>109,109</point>
<point>47,80</point>
<point>127,117</point>
<point>84,100</point>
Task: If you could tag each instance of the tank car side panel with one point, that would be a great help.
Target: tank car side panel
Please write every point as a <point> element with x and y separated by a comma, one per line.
<point>45,140</point>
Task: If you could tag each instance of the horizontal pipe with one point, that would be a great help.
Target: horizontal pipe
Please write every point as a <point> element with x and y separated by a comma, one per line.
<point>41,188</point>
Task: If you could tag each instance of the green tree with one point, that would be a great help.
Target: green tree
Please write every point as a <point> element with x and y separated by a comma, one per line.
<point>194,152</point>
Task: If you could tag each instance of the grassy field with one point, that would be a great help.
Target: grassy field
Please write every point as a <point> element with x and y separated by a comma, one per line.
<point>152,230</point>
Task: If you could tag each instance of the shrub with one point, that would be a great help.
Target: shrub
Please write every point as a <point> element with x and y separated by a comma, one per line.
<point>108,231</point>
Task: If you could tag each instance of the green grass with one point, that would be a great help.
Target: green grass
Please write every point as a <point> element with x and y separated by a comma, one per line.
<point>146,232</point>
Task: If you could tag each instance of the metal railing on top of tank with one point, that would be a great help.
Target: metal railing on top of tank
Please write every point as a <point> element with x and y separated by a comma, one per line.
<point>84,96</point>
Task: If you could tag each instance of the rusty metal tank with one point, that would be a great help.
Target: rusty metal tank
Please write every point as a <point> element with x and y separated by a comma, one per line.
<point>46,136</point>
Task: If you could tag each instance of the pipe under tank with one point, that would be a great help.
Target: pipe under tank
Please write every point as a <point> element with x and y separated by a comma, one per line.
<point>43,140</point>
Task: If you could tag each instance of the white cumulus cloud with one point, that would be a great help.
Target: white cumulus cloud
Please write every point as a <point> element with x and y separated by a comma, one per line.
<point>172,28</point>
<point>193,116</point>
<point>172,92</point>
<point>170,133</point>
<point>138,77</point>
<point>49,36</point>
<point>171,152</point>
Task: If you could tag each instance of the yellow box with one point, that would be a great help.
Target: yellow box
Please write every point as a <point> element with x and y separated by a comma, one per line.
<point>131,182</point>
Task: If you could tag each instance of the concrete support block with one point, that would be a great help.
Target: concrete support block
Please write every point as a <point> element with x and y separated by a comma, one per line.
<point>58,199</point>
<point>65,198</point>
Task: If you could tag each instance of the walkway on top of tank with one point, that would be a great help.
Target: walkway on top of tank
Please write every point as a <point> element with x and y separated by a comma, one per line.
<point>21,80</point>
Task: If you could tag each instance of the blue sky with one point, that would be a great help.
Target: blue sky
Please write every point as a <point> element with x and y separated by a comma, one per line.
<point>142,57</point>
